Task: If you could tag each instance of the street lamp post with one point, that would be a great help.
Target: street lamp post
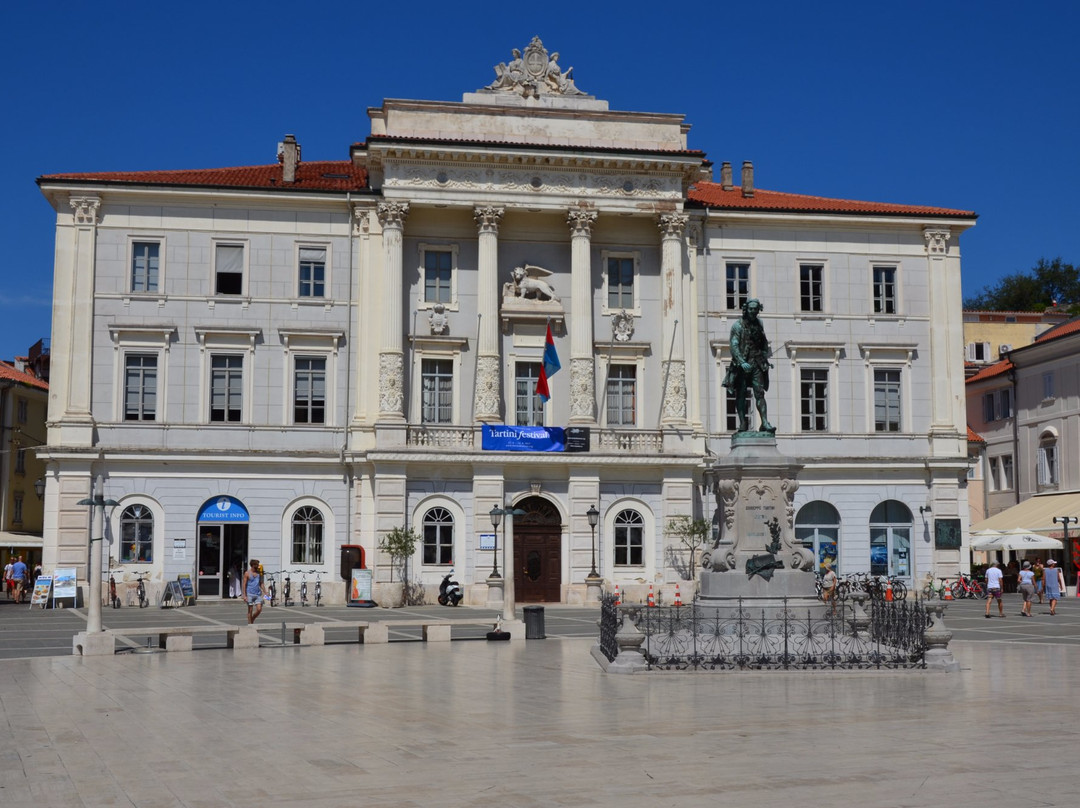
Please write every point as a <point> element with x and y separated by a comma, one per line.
<point>1065,521</point>
<point>97,534</point>
<point>496,516</point>
<point>594,519</point>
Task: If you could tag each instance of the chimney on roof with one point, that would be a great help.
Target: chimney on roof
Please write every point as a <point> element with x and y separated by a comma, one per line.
<point>725,177</point>
<point>289,156</point>
<point>747,178</point>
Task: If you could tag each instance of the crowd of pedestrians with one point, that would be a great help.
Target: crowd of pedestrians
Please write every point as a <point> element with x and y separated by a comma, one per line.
<point>1033,581</point>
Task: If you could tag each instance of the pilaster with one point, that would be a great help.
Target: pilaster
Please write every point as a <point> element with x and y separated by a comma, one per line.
<point>671,227</point>
<point>487,402</point>
<point>392,217</point>
<point>582,367</point>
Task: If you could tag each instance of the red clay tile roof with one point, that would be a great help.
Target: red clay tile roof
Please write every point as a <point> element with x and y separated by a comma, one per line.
<point>327,175</point>
<point>712,195</point>
<point>10,373</point>
<point>1062,330</point>
<point>975,437</point>
<point>995,369</point>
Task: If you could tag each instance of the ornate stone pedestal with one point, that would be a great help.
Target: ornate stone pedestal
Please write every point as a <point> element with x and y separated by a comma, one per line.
<point>757,558</point>
<point>495,592</point>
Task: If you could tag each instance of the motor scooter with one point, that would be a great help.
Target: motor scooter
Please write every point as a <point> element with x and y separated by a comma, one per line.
<point>450,592</point>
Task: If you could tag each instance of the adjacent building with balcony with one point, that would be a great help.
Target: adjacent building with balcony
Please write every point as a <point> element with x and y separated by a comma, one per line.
<point>276,360</point>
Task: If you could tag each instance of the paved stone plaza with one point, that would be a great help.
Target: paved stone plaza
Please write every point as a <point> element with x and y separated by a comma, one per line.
<point>536,723</point>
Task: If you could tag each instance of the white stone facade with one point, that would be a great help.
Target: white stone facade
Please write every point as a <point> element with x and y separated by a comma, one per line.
<point>267,293</point>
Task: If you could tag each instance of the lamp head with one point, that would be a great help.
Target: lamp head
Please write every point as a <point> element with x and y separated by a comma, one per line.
<point>594,516</point>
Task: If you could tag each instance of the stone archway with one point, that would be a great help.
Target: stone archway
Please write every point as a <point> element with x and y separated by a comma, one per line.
<point>538,552</point>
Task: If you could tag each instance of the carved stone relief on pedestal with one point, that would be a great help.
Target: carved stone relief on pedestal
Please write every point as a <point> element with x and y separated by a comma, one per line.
<point>527,281</point>
<point>438,321</point>
<point>391,383</point>
<point>675,391</point>
<point>533,73</point>
<point>582,390</point>
<point>622,326</point>
<point>486,401</point>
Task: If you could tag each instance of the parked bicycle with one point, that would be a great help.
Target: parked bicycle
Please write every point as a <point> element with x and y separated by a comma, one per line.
<point>271,588</point>
<point>967,587</point>
<point>929,592</point>
<point>286,593</point>
<point>140,590</point>
<point>303,588</point>
<point>318,587</point>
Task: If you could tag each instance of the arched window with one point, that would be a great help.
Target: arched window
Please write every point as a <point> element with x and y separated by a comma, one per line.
<point>136,535</point>
<point>307,536</point>
<point>818,526</point>
<point>890,539</point>
<point>629,539</point>
<point>1047,460</point>
<point>438,537</point>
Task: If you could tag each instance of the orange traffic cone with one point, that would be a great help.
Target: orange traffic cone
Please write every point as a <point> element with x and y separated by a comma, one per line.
<point>888,592</point>
<point>678,597</point>
<point>652,600</point>
<point>617,600</point>
<point>948,593</point>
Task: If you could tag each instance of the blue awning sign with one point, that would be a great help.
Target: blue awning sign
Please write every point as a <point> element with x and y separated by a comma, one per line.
<point>503,438</point>
<point>224,509</point>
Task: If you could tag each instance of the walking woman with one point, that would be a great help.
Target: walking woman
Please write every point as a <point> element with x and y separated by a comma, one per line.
<point>1026,587</point>
<point>254,590</point>
<point>1054,581</point>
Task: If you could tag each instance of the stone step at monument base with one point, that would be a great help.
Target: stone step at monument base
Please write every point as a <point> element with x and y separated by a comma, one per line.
<point>722,591</point>
<point>753,608</point>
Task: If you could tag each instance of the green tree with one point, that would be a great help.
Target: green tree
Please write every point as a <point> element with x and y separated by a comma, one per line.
<point>1045,284</point>
<point>692,535</point>
<point>399,544</point>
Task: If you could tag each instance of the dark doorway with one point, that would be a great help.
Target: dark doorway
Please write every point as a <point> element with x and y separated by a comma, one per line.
<point>538,552</point>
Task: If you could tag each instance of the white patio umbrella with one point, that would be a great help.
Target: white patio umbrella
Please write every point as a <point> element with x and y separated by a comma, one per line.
<point>1015,539</point>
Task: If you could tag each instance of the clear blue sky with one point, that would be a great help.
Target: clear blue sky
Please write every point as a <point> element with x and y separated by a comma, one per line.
<point>971,105</point>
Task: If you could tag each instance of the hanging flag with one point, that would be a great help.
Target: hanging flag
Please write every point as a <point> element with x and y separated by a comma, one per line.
<point>549,367</point>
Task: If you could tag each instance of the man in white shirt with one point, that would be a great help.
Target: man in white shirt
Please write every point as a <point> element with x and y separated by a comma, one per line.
<point>993,588</point>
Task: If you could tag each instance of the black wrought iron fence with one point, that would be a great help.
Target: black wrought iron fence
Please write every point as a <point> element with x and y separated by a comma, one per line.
<point>744,637</point>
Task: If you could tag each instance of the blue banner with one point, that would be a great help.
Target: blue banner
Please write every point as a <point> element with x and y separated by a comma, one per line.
<point>501,438</point>
<point>224,509</point>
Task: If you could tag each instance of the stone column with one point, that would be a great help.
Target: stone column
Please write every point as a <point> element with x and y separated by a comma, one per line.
<point>391,357</point>
<point>487,402</point>
<point>671,308</point>
<point>582,369</point>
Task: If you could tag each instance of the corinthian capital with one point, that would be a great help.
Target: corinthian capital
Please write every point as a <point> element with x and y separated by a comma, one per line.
<point>581,221</point>
<point>937,240</point>
<point>392,214</point>
<point>488,218</point>
<point>85,208</point>
<point>672,224</point>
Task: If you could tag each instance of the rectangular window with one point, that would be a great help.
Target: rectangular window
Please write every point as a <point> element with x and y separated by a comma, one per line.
<point>438,542</point>
<point>814,389</point>
<point>144,266</point>
<point>437,391</point>
<point>312,272</point>
<point>629,545</point>
<point>17,516</point>
<point>886,400</point>
<point>620,283</point>
<point>1006,472</point>
<point>736,285</point>
<point>438,273</point>
<point>229,269</point>
<point>884,290</point>
<point>1004,403</point>
<point>309,401</point>
<point>988,408</point>
<point>811,287</point>
<point>528,406</point>
<point>1048,385</point>
<point>978,351</point>
<point>20,461</point>
<point>622,395</point>
<point>22,410</point>
<point>140,387</point>
<point>226,388</point>
<point>993,481</point>
<point>307,538</point>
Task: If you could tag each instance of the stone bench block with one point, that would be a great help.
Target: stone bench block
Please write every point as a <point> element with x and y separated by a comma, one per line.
<point>436,633</point>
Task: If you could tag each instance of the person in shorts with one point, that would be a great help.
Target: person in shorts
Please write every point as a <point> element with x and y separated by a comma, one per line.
<point>828,587</point>
<point>254,590</point>
<point>19,574</point>
<point>1054,581</point>
<point>994,578</point>
<point>1026,587</point>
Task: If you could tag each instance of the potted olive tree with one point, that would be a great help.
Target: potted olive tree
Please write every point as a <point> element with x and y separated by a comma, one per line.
<point>399,544</point>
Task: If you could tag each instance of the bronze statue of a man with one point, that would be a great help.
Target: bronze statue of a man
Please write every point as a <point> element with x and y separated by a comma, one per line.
<point>750,365</point>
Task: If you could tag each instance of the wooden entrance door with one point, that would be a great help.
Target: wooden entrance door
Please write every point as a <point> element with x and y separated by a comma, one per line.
<point>538,552</point>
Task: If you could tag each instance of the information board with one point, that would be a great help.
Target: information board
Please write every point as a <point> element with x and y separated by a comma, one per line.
<point>172,596</point>
<point>64,585</point>
<point>487,541</point>
<point>42,588</point>
<point>360,588</point>
<point>186,588</point>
